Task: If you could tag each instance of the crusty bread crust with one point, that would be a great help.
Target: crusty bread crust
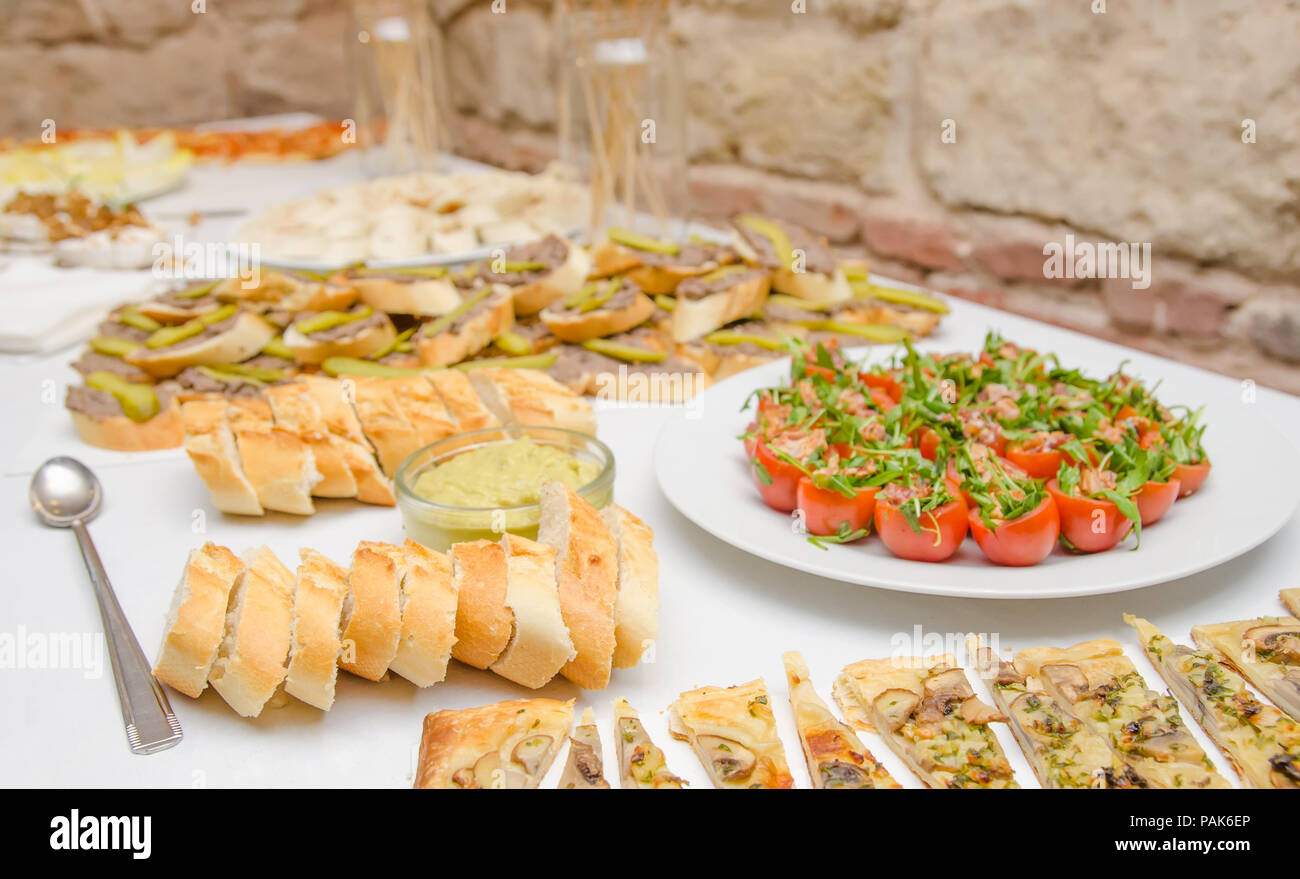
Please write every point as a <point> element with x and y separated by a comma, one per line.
<point>458,395</point>
<point>540,645</point>
<point>280,466</point>
<point>454,741</point>
<point>319,592</point>
<point>210,443</point>
<point>531,398</point>
<point>331,396</point>
<point>373,623</point>
<point>693,318</point>
<point>121,434</point>
<point>197,621</point>
<point>447,348</point>
<point>483,622</point>
<point>636,610</point>
<point>428,616</point>
<point>251,660</point>
<point>599,321</point>
<point>813,286</point>
<point>246,336</point>
<point>567,278</point>
<point>296,411</point>
<point>587,578</point>
<point>387,428</point>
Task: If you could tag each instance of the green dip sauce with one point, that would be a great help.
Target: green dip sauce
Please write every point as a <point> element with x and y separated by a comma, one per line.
<point>506,474</point>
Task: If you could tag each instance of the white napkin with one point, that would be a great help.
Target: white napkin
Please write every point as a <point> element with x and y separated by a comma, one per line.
<point>44,308</point>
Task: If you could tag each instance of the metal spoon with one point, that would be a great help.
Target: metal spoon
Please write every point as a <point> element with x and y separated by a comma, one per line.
<point>65,494</point>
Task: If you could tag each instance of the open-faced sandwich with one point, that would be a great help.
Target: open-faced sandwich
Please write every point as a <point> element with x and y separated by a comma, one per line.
<point>288,291</point>
<point>727,351</point>
<point>598,308</point>
<point>1262,742</point>
<point>706,302</point>
<point>639,365</point>
<point>657,265</point>
<point>419,290</point>
<point>358,332</point>
<point>802,265</point>
<point>538,273</point>
<point>112,412</point>
<point>223,335</point>
<point>483,314</point>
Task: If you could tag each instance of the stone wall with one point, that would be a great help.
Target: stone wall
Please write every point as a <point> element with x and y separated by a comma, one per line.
<point>950,140</point>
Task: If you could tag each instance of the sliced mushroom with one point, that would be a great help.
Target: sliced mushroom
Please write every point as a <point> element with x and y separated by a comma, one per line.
<point>1281,642</point>
<point>731,761</point>
<point>972,710</point>
<point>1068,679</point>
<point>1286,771</point>
<point>491,774</point>
<point>1168,747</point>
<point>943,692</point>
<point>532,751</point>
<point>895,707</point>
<point>837,773</point>
<point>464,778</point>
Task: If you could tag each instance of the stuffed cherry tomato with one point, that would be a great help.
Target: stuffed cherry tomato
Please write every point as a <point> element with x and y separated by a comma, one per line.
<point>1154,499</point>
<point>1089,524</point>
<point>1191,476</point>
<point>1025,540</point>
<point>940,529</point>
<point>825,511</point>
<point>776,478</point>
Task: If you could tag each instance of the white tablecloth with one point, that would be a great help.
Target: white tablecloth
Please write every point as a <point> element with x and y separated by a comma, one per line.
<point>725,618</point>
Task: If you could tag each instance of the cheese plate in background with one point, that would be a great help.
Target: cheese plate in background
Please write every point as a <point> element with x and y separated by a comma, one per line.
<point>701,468</point>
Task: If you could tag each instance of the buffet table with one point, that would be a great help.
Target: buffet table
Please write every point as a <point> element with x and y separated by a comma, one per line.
<point>725,618</point>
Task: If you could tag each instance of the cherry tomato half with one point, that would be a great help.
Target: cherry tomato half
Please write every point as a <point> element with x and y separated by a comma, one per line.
<point>1040,465</point>
<point>1020,542</point>
<point>1191,476</point>
<point>942,531</point>
<point>1155,499</point>
<point>1089,524</point>
<point>825,509</point>
<point>954,477</point>
<point>780,493</point>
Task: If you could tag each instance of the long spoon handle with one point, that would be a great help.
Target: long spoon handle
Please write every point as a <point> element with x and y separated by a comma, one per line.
<point>150,723</point>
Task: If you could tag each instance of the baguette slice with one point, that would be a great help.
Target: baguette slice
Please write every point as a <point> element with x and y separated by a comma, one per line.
<point>296,411</point>
<point>461,400</point>
<point>122,434</point>
<point>413,294</point>
<point>483,621</point>
<point>247,335</point>
<point>279,465</point>
<point>333,398</point>
<point>366,341</point>
<point>586,571</point>
<point>579,327</point>
<point>539,645</point>
<point>428,616</point>
<point>641,763</point>
<point>386,426</point>
<point>197,619</point>
<point>210,443</point>
<point>565,279</point>
<point>584,770</point>
<point>423,407</point>
<point>250,663</point>
<point>636,610</point>
<point>531,398</point>
<point>319,592</point>
<point>372,620</point>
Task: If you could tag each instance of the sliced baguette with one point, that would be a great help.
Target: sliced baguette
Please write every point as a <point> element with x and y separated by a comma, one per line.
<point>531,398</point>
<point>210,443</point>
<point>566,279</point>
<point>586,567</point>
<point>366,341</point>
<point>251,661</point>
<point>197,620</point>
<point>319,591</point>
<point>372,619</point>
<point>429,601</point>
<point>331,396</point>
<point>483,621</point>
<point>461,400</point>
<point>693,318</point>
<point>395,295</point>
<point>423,407</point>
<point>279,465</point>
<point>579,327</point>
<point>636,610</point>
<point>539,645</point>
<point>387,428</point>
<point>122,434</point>
<point>296,411</point>
<point>247,335</point>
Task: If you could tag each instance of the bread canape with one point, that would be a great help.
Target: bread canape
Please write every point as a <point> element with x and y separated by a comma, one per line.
<point>708,302</point>
<point>289,291</point>
<point>802,264</point>
<point>539,272</point>
<point>599,308</point>
<point>484,313</point>
<point>110,412</point>
<point>638,365</point>
<point>420,290</point>
<point>359,332</point>
<point>724,352</point>
<point>656,265</point>
<point>224,335</point>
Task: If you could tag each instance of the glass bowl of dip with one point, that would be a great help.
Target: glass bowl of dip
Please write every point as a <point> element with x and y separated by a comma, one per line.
<point>479,484</point>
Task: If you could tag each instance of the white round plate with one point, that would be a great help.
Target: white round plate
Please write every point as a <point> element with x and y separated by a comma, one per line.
<point>701,468</point>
